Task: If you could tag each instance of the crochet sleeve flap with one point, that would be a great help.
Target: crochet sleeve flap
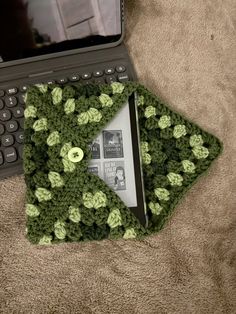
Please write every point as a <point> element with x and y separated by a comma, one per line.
<point>64,201</point>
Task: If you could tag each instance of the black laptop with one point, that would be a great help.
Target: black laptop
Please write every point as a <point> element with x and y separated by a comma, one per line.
<point>67,42</point>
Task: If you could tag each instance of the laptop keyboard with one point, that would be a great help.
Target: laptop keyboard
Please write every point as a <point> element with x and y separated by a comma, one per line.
<point>12,109</point>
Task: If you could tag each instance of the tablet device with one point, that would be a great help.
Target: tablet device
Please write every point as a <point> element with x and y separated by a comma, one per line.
<point>116,159</point>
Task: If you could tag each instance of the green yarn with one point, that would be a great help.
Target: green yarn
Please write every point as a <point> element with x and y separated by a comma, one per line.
<point>188,166</point>
<point>56,95</point>
<point>55,179</point>
<point>53,139</point>
<point>100,199</point>
<point>117,88</point>
<point>179,131</point>
<point>200,152</point>
<point>196,140</point>
<point>94,115</point>
<point>164,122</point>
<point>150,111</point>
<point>74,214</point>
<point>130,234</point>
<point>155,208</point>
<point>42,87</point>
<point>65,202</point>
<point>32,210</point>
<point>43,194</point>
<point>40,125</point>
<point>83,118</point>
<point>106,100</point>
<point>69,106</point>
<point>59,230</point>
<point>30,112</point>
<point>162,194</point>
<point>175,179</point>
<point>45,240</point>
<point>69,166</point>
<point>114,219</point>
<point>65,150</point>
<point>140,100</point>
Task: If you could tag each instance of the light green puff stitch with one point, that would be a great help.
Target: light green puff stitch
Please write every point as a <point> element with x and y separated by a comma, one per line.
<point>117,88</point>
<point>129,234</point>
<point>105,100</point>
<point>149,112</point>
<point>83,118</point>
<point>45,240</point>
<point>175,179</point>
<point>146,158</point>
<point>40,125</point>
<point>69,166</point>
<point>30,112</point>
<point>56,95</point>
<point>140,100</point>
<point>53,138</point>
<point>144,147</point>
<point>42,87</point>
<point>200,152</point>
<point>162,194</point>
<point>60,230</point>
<point>43,194</point>
<point>196,140</point>
<point>88,200</point>
<point>55,179</point>
<point>156,208</point>
<point>74,214</point>
<point>65,149</point>
<point>179,131</point>
<point>188,166</point>
<point>32,210</point>
<point>100,199</point>
<point>94,115</point>
<point>164,122</point>
<point>69,106</point>
<point>114,219</point>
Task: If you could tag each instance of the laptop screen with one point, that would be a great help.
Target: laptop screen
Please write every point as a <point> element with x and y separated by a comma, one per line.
<point>30,28</point>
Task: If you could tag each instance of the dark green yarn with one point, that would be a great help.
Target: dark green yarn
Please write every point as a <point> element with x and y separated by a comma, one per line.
<point>174,165</point>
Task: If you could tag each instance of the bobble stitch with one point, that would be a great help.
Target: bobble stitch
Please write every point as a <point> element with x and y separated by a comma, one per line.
<point>114,219</point>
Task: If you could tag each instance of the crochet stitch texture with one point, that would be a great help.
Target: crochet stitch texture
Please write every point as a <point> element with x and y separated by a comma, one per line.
<point>65,202</point>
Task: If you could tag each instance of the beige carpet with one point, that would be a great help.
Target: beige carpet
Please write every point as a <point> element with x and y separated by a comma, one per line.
<point>186,52</point>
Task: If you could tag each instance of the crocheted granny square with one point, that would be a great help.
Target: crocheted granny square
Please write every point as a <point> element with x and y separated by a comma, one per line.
<point>64,201</point>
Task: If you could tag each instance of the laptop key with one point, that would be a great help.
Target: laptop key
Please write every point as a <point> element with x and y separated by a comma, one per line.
<point>10,154</point>
<point>7,140</point>
<point>62,80</point>
<point>11,101</point>
<point>23,88</point>
<point>98,73</point>
<point>2,129</point>
<point>12,91</point>
<point>21,121</point>
<point>18,112</point>
<point>1,104</point>
<point>2,93</point>
<point>21,99</point>
<point>86,76</point>
<point>19,137</point>
<point>123,77</point>
<point>120,68</point>
<point>12,126</point>
<point>74,78</point>
<point>111,79</point>
<point>99,80</point>
<point>5,115</point>
<point>1,158</point>
<point>110,71</point>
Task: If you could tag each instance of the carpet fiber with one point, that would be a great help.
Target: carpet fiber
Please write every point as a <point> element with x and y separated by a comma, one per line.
<point>185,52</point>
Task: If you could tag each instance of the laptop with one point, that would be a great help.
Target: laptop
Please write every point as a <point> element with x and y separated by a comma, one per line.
<point>65,42</point>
